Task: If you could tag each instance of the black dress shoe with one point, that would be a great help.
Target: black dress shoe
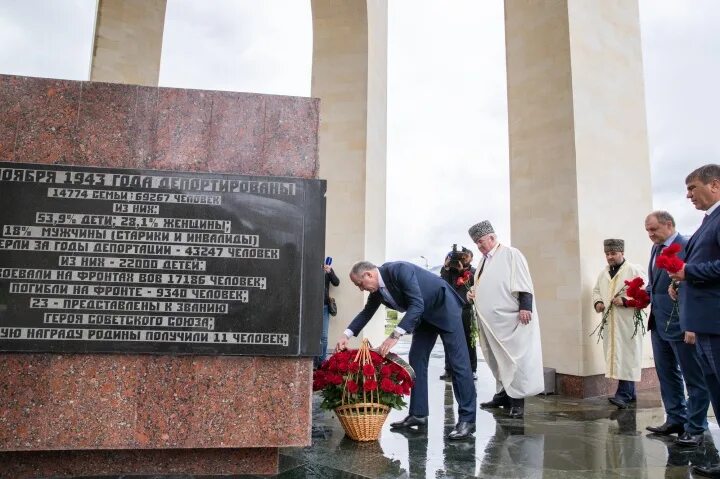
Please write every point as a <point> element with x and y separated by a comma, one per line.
<point>462,430</point>
<point>689,440</point>
<point>516,412</point>
<point>501,399</point>
<point>618,402</point>
<point>447,376</point>
<point>409,421</point>
<point>667,429</point>
<point>707,471</point>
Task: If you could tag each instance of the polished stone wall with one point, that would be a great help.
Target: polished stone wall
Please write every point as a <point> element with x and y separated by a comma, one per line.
<point>155,408</point>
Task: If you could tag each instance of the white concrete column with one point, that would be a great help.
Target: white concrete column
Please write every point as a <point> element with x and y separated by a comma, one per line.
<point>128,41</point>
<point>350,78</point>
<point>579,163</point>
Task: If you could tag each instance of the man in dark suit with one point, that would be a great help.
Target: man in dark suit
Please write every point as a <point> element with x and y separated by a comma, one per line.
<point>699,283</point>
<point>431,308</point>
<point>675,357</point>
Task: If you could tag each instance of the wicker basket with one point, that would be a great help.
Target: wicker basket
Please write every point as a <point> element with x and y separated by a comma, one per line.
<point>363,421</point>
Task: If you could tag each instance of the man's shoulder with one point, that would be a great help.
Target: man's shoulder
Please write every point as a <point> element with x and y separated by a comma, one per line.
<point>681,239</point>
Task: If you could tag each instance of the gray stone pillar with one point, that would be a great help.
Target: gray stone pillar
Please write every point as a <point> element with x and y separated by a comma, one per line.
<point>128,41</point>
<point>579,166</point>
<point>350,78</point>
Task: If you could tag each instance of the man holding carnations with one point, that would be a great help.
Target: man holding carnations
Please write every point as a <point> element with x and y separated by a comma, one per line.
<point>621,342</point>
<point>676,359</point>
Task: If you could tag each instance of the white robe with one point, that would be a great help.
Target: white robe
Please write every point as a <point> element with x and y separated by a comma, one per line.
<point>512,349</point>
<point>623,352</point>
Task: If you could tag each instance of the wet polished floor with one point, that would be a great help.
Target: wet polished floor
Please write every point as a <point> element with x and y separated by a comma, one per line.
<point>559,437</point>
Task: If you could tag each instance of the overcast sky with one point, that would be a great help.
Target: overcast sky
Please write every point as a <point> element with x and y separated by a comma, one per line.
<point>447,107</point>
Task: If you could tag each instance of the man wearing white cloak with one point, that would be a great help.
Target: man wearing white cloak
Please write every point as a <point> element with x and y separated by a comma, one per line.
<point>622,346</point>
<point>509,328</point>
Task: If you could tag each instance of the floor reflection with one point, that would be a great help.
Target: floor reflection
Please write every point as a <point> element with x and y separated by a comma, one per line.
<point>558,438</point>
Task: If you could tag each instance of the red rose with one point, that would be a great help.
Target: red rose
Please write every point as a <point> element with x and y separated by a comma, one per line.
<point>460,281</point>
<point>386,371</point>
<point>377,360</point>
<point>354,367</point>
<point>370,385</point>
<point>342,366</point>
<point>387,385</point>
<point>352,386</point>
<point>335,379</point>
<point>406,386</point>
<point>368,370</point>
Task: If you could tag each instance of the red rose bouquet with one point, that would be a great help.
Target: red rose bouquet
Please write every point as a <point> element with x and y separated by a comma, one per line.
<point>668,260</point>
<point>344,379</point>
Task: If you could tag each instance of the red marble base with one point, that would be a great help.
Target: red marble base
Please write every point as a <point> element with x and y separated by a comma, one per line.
<point>58,464</point>
<point>599,385</point>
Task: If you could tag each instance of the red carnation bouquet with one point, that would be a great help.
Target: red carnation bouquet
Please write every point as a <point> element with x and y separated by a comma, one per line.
<point>466,279</point>
<point>668,259</point>
<point>638,298</point>
<point>380,379</point>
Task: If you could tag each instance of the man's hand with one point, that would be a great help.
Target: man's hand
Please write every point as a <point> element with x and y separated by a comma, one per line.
<point>679,276</point>
<point>617,301</point>
<point>470,295</point>
<point>525,316</point>
<point>342,343</point>
<point>599,307</point>
<point>327,268</point>
<point>673,292</point>
<point>387,345</point>
<point>689,337</point>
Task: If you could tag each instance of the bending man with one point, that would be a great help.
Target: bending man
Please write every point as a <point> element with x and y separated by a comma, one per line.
<point>431,308</point>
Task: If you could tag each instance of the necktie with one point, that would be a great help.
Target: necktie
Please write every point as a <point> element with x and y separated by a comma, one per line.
<point>705,217</point>
<point>388,297</point>
<point>655,252</point>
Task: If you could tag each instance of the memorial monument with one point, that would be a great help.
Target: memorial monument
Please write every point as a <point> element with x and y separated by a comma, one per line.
<point>155,321</point>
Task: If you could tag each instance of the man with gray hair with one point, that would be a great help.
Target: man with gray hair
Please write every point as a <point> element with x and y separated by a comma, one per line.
<point>676,359</point>
<point>509,325</point>
<point>432,308</point>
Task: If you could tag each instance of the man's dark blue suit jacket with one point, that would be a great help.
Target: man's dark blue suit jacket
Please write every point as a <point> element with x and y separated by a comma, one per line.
<point>424,296</point>
<point>700,292</point>
<point>662,309</point>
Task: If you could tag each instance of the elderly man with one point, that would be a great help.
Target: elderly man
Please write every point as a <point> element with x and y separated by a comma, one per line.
<point>699,283</point>
<point>621,343</point>
<point>674,350</point>
<point>432,308</point>
<point>509,328</point>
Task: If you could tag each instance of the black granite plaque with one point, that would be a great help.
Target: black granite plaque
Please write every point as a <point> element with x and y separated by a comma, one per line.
<point>111,260</point>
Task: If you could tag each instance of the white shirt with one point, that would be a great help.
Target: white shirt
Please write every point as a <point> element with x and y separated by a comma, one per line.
<point>712,208</point>
<point>382,289</point>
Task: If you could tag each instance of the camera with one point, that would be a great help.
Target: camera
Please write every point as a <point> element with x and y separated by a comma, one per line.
<point>457,259</point>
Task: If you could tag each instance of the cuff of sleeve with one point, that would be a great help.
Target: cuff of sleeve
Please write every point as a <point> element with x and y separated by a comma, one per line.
<point>348,333</point>
<point>400,330</point>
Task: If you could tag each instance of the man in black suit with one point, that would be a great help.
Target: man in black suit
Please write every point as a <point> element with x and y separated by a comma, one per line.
<point>432,308</point>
